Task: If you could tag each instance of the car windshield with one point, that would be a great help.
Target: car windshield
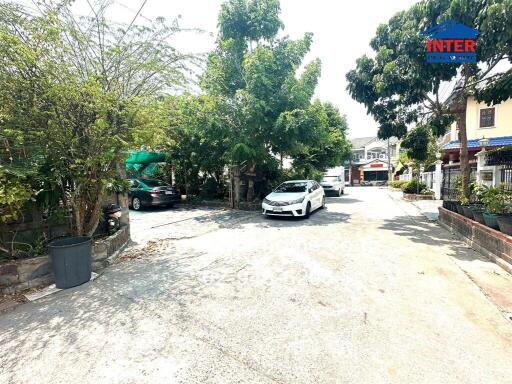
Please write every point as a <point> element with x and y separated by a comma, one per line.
<point>154,183</point>
<point>292,187</point>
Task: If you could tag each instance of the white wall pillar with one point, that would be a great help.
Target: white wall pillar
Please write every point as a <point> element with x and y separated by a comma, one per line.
<point>438,179</point>
<point>496,170</point>
<point>410,171</point>
<point>480,164</point>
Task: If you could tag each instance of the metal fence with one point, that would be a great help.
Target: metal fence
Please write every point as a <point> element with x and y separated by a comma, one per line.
<point>506,177</point>
<point>450,180</point>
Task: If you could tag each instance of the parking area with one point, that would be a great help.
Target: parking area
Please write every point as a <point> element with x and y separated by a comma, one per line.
<point>159,223</point>
<point>361,292</point>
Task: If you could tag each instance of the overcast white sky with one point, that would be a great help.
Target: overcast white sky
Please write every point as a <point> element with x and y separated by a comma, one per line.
<point>342,31</point>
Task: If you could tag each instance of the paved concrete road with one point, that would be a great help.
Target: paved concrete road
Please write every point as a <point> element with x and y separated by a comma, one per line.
<point>359,293</point>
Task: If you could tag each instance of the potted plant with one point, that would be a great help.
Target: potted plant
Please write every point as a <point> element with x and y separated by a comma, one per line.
<point>466,208</point>
<point>494,203</point>
<point>505,220</point>
<point>477,209</point>
<point>462,206</point>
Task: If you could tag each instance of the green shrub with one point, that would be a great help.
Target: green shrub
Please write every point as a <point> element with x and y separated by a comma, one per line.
<point>496,199</point>
<point>397,183</point>
<point>414,186</point>
<point>210,189</point>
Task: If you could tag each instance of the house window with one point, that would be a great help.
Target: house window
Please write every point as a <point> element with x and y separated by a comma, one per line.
<point>487,116</point>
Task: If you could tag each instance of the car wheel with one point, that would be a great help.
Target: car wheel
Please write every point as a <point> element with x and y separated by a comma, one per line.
<point>339,192</point>
<point>342,192</point>
<point>136,204</point>
<point>308,211</point>
<point>323,203</point>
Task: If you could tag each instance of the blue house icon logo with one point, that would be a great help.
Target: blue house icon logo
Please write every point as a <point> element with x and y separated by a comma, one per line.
<point>451,42</point>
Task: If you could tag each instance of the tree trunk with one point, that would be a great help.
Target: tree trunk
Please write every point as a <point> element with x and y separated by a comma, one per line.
<point>459,110</point>
<point>236,187</point>
<point>94,218</point>
<point>77,225</point>
<point>250,190</point>
<point>465,170</point>
<point>250,184</point>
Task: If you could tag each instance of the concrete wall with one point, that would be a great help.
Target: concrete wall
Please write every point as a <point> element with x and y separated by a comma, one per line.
<point>37,272</point>
<point>495,245</point>
<point>32,227</point>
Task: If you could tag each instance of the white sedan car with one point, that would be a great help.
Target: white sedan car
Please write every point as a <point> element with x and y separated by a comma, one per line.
<point>294,198</point>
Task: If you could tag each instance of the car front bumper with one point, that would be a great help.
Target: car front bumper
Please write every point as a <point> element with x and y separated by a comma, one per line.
<point>287,210</point>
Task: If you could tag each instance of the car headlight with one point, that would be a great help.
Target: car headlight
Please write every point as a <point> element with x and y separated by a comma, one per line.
<point>266,201</point>
<point>296,201</point>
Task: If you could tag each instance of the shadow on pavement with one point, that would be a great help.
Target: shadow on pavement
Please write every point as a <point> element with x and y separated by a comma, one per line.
<point>342,200</point>
<point>420,231</point>
<point>108,308</point>
<point>319,217</point>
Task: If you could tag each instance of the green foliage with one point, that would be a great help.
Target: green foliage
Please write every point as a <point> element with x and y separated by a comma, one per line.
<point>249,20</point>
<point>475,191</point>
<point>267,111</point>
<point>212,188</point>
<point>416,142</point>
<point>14,194</point>
<point>399,184</point>
<point>397,83</point>
<point>414,186</point>
<point>72,102</point>
<point>118,186</point>
<point>496,200</point>
<point>399,87</point>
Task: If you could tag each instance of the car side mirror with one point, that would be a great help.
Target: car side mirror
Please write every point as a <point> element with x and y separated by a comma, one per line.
<point>310,190</point>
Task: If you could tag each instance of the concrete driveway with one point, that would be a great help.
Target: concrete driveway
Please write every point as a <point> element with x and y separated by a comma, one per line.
<point>362,292</point>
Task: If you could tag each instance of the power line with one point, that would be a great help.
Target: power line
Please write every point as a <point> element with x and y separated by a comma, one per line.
<point>133,21</point>
<point>132,10</point>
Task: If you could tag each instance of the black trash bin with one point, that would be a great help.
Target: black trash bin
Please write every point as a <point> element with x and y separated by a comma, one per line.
<point>71,261</point>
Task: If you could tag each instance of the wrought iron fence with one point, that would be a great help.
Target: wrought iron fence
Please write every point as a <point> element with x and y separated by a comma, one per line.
<point>506,177</point>
<point>500,156</point>
<point>450,180</point>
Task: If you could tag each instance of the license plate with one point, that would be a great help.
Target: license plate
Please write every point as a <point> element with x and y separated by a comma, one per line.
<point>168,192</point>
<point>278,209</point>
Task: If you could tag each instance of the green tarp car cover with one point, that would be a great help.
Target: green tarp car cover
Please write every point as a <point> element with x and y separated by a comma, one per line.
<point>144,162</point>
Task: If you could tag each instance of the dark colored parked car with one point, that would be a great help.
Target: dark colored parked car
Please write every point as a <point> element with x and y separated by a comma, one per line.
<point>151,193</point>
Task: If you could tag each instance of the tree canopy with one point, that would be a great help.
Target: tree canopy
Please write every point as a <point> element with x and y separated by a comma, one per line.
<point>70,90</point>
<point>400,89</point>
<point>257,72</point>
<point>77,93</point>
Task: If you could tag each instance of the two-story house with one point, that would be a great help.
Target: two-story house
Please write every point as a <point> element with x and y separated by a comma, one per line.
<point>482,121</point>
<point>372,159</point>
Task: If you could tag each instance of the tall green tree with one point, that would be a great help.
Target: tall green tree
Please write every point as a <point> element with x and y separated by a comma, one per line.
<point>400,88</point>
<point>257,73</point>
<point>70,92</point>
